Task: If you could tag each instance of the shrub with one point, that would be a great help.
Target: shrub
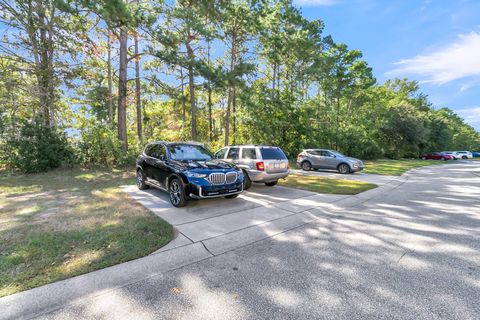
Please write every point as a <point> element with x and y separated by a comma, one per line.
<point>99,145</point>
<point>36,148</point>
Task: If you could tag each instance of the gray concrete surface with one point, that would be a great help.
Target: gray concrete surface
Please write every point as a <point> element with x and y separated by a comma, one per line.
<point>407,250</point>
<point>212,218</point>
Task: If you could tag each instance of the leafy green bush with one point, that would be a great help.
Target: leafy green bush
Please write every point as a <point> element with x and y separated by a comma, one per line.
<point>36,148</point>
<point>99,145</point>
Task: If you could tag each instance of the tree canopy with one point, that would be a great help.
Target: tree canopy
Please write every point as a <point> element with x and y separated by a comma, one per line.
<point>108,76</point>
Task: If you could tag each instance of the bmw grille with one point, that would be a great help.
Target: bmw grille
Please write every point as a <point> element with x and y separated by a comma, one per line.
<point>222,178</point>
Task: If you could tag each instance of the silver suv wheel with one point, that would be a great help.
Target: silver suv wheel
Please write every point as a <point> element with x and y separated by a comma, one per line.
<point>343,168</point>
<point>306,166</point>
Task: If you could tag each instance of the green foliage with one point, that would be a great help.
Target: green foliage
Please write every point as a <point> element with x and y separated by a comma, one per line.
<point>99,145</point>
<point>36,148</point>
<point>220,72</point>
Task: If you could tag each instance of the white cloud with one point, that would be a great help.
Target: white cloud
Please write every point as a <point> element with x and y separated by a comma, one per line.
<point>470,115</point>
<point>458,60</point>
<point>316,2</point>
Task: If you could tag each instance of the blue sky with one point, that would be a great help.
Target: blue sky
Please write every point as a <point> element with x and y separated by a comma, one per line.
<point>436,42</point>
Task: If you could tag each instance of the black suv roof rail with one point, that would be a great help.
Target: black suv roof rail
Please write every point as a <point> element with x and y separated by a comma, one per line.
<point>176,142</point>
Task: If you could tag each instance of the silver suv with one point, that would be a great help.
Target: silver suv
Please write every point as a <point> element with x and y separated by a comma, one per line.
<point>465,154</point>
<point>310,159</point>
<point>264,164</point>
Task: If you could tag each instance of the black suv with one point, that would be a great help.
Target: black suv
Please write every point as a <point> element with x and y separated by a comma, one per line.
<point>187,170</point>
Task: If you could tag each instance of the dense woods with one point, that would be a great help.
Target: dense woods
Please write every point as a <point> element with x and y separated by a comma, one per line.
<point>91,81</point>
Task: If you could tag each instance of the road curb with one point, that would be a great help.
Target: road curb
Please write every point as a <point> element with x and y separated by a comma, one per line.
<point>47,298</point>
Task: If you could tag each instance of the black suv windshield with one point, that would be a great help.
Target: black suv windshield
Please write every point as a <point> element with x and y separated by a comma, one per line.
<point>189,152</point>
<point>272,153</point>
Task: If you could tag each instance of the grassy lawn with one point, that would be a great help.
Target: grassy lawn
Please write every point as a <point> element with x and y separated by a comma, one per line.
<point>397,167</point>
<point>325,185</point>
<point>64,223</point>
<point>390,167</point>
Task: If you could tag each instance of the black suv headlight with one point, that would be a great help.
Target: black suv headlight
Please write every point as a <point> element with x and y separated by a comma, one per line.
<point>195,174</point>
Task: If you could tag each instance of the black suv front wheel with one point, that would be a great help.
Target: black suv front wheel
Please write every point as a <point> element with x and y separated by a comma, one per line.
<point>177,193</point>
<point>141,184</point>
<point>247,183</point>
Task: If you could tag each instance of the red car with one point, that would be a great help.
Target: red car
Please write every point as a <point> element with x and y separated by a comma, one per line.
<point>436,156</point>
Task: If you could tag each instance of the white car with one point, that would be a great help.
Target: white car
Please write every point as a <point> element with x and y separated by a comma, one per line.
<point>465,154</point>
<point>455,155</point>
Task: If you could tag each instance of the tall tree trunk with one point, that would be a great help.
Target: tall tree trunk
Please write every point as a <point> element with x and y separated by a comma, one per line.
<point>227,116</point>
<point>137,91</point>
<point>230,89</point>
<point>274,76</point>
<point>122,90</point>
<point>109,76</point>
<point>234,110</point>
<point>191,85</point>
<point>41,34</point>
<point>43,63</point>
<point>209,102</point>
<point>209,97</point>
<point>183,95</point>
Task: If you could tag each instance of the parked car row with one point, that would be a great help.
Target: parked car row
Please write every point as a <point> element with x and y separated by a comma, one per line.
<point>188,170</point>
<point>447,155</point>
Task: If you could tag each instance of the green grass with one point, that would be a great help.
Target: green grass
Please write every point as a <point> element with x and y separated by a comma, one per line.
<point>64,223</point>
<point>326,185</point>
<point>390,167</point>
<point>397,167</point>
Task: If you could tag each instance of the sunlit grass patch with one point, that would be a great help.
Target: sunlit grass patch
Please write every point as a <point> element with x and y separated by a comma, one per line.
<point>69,223</point>
<point>397,167</point>
<point>326,185</point>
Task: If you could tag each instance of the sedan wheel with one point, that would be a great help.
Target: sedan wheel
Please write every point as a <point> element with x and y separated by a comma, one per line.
<point>343,168</point>
<point>464,157</point>
<point>424,158</point>
<point>443,159</point>
<point>306,166</point>
<point>176,192</point>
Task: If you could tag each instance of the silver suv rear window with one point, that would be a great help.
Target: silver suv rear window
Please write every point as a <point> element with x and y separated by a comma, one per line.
<point>249,153</point>
<point>272,154</point>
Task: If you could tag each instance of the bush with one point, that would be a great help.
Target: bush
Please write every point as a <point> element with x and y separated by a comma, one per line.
<point>99,145</point>
<point>36,148</point>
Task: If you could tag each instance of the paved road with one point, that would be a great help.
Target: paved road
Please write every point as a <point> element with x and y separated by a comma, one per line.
<point>413,253</point>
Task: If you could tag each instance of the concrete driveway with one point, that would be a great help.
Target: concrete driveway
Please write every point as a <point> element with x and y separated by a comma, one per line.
<point>221,224</point>
<point>412,252</point>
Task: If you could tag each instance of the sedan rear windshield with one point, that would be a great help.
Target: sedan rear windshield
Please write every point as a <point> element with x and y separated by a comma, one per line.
<point>189,152</point>
<point>272,154</point>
